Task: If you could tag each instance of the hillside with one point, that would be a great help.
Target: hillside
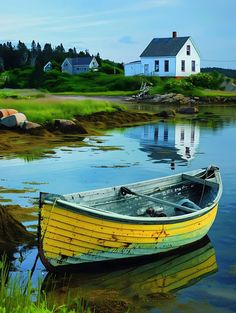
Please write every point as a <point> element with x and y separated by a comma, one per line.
<point>226,72</point>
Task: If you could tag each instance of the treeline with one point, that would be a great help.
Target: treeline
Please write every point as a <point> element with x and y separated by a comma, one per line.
<point>226,72</point>
<point>20,56</point>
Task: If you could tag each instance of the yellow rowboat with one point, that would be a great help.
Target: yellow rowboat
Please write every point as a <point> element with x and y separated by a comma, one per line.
<point>128,221</point>
<point>142,282</point>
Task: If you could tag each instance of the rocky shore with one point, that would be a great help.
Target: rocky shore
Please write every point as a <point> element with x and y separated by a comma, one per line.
<point>179,99</point>
<point>172,104</point>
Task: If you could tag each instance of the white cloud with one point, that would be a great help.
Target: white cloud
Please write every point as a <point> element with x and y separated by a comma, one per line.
<point>12,22</point>
<point>75,26</point>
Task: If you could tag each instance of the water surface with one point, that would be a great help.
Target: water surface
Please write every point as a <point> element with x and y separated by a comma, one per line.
<point>129,155</point>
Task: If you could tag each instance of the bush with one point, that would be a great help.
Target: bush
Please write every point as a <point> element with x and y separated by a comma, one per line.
<point>177,85</point>
<point>19,78</point>
<point>206,80</point>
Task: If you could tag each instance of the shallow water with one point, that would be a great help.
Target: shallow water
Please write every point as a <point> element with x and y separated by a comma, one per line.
<point>128,155</point>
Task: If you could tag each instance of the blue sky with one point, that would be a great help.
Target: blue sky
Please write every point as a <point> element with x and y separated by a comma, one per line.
<point>121,29</point>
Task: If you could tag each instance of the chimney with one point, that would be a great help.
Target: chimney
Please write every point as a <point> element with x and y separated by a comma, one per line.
<point>174,34</point>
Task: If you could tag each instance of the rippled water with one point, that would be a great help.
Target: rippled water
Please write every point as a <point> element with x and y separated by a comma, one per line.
<point>138,153</point>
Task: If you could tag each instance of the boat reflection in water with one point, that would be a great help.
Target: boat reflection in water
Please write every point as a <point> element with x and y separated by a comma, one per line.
<point>139,284</point>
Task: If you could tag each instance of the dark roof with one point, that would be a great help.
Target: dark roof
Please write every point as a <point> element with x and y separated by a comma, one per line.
<point>164,46</point>
<point>80,60</point>
<point>134,62</point>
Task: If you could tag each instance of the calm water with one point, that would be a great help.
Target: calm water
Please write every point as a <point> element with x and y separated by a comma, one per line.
<point>205,277</point>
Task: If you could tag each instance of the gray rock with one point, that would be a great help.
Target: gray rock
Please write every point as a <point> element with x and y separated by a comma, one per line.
<point>66,126</point>
<point>188,110</point>
<point>14,120</point>
<point>166,113</point>
<point>30,125</point>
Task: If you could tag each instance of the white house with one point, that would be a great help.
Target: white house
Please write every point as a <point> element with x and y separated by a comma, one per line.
<point>47,67</point>
<point>167,57</point>
<point>79,65</point>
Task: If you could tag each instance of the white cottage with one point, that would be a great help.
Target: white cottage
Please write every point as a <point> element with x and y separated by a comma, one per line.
<point>47,67</point>
<point>79,65</point>
<point>167,57</point>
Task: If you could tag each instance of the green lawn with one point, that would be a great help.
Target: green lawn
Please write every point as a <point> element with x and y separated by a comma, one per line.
<point>46,110</point>
<point>21,93</point>
<point>217,93</point>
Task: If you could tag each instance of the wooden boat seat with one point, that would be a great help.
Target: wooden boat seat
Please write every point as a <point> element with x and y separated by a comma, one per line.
<point>187,206</point>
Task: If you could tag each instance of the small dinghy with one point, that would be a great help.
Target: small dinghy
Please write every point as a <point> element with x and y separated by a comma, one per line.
<point>128,221</point>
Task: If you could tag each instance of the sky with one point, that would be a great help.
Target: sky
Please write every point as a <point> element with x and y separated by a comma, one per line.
<point>121,29</point>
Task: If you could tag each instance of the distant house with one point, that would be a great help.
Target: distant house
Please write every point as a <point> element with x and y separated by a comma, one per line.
<point>79,65</point>
<point>174,57</point>
<point>47,67</point>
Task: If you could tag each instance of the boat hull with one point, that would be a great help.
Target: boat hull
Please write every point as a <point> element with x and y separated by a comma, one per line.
<point>70,238</point>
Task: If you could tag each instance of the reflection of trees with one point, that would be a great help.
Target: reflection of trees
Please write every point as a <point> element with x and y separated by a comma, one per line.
<point>216,117</point>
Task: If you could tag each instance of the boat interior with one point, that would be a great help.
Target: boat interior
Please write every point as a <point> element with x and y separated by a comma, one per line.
<point>177,195</point>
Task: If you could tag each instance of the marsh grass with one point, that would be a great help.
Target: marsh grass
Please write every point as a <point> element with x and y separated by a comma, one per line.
<point>20,297</point>
<point>46,110</point>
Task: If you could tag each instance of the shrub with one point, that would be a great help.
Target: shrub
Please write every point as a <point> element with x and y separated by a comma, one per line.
<point>206,80</point>
<point>177,86</point>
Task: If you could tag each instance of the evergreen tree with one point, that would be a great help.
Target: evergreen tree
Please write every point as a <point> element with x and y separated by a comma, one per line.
<point>33,53</point>
<point>22,54</point>
<point>98,58</point>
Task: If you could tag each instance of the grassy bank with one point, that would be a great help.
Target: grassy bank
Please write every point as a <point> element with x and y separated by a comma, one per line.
<point>17,296</point>
<point>46,110</point>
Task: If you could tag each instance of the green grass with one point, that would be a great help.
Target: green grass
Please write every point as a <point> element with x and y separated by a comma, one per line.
<point>46,110</point>
<point>217,93</point>
<point>20,297</point>
<point>20,94</point>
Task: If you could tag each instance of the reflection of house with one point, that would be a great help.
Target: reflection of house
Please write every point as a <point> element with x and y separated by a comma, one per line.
<point>79,65</point>
<point>167,142</point>
<point>173,56</point>
<point>187,140</point>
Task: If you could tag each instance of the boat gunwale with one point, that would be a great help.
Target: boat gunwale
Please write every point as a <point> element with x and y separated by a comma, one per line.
<point>116,217</point>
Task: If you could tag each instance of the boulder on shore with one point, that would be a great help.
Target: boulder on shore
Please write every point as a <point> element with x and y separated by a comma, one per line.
<point>166,114</point>
<point>14,120</point>
<point>188,110</point>
<point>66,126</point>
<point>32,128</point>
<point>7,112</point>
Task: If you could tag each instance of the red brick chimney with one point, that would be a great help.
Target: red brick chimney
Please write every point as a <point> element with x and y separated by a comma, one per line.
<point>174,34</point>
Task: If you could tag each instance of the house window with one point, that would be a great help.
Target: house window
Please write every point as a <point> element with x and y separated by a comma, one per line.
<point>183,65</point>
<point>166,65</point>
<point>157,66</point>
<point>193,66</point>
<point>188,49</point>
<point>182,134</point>
<point>156,131</point>
<point>166,133</point>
